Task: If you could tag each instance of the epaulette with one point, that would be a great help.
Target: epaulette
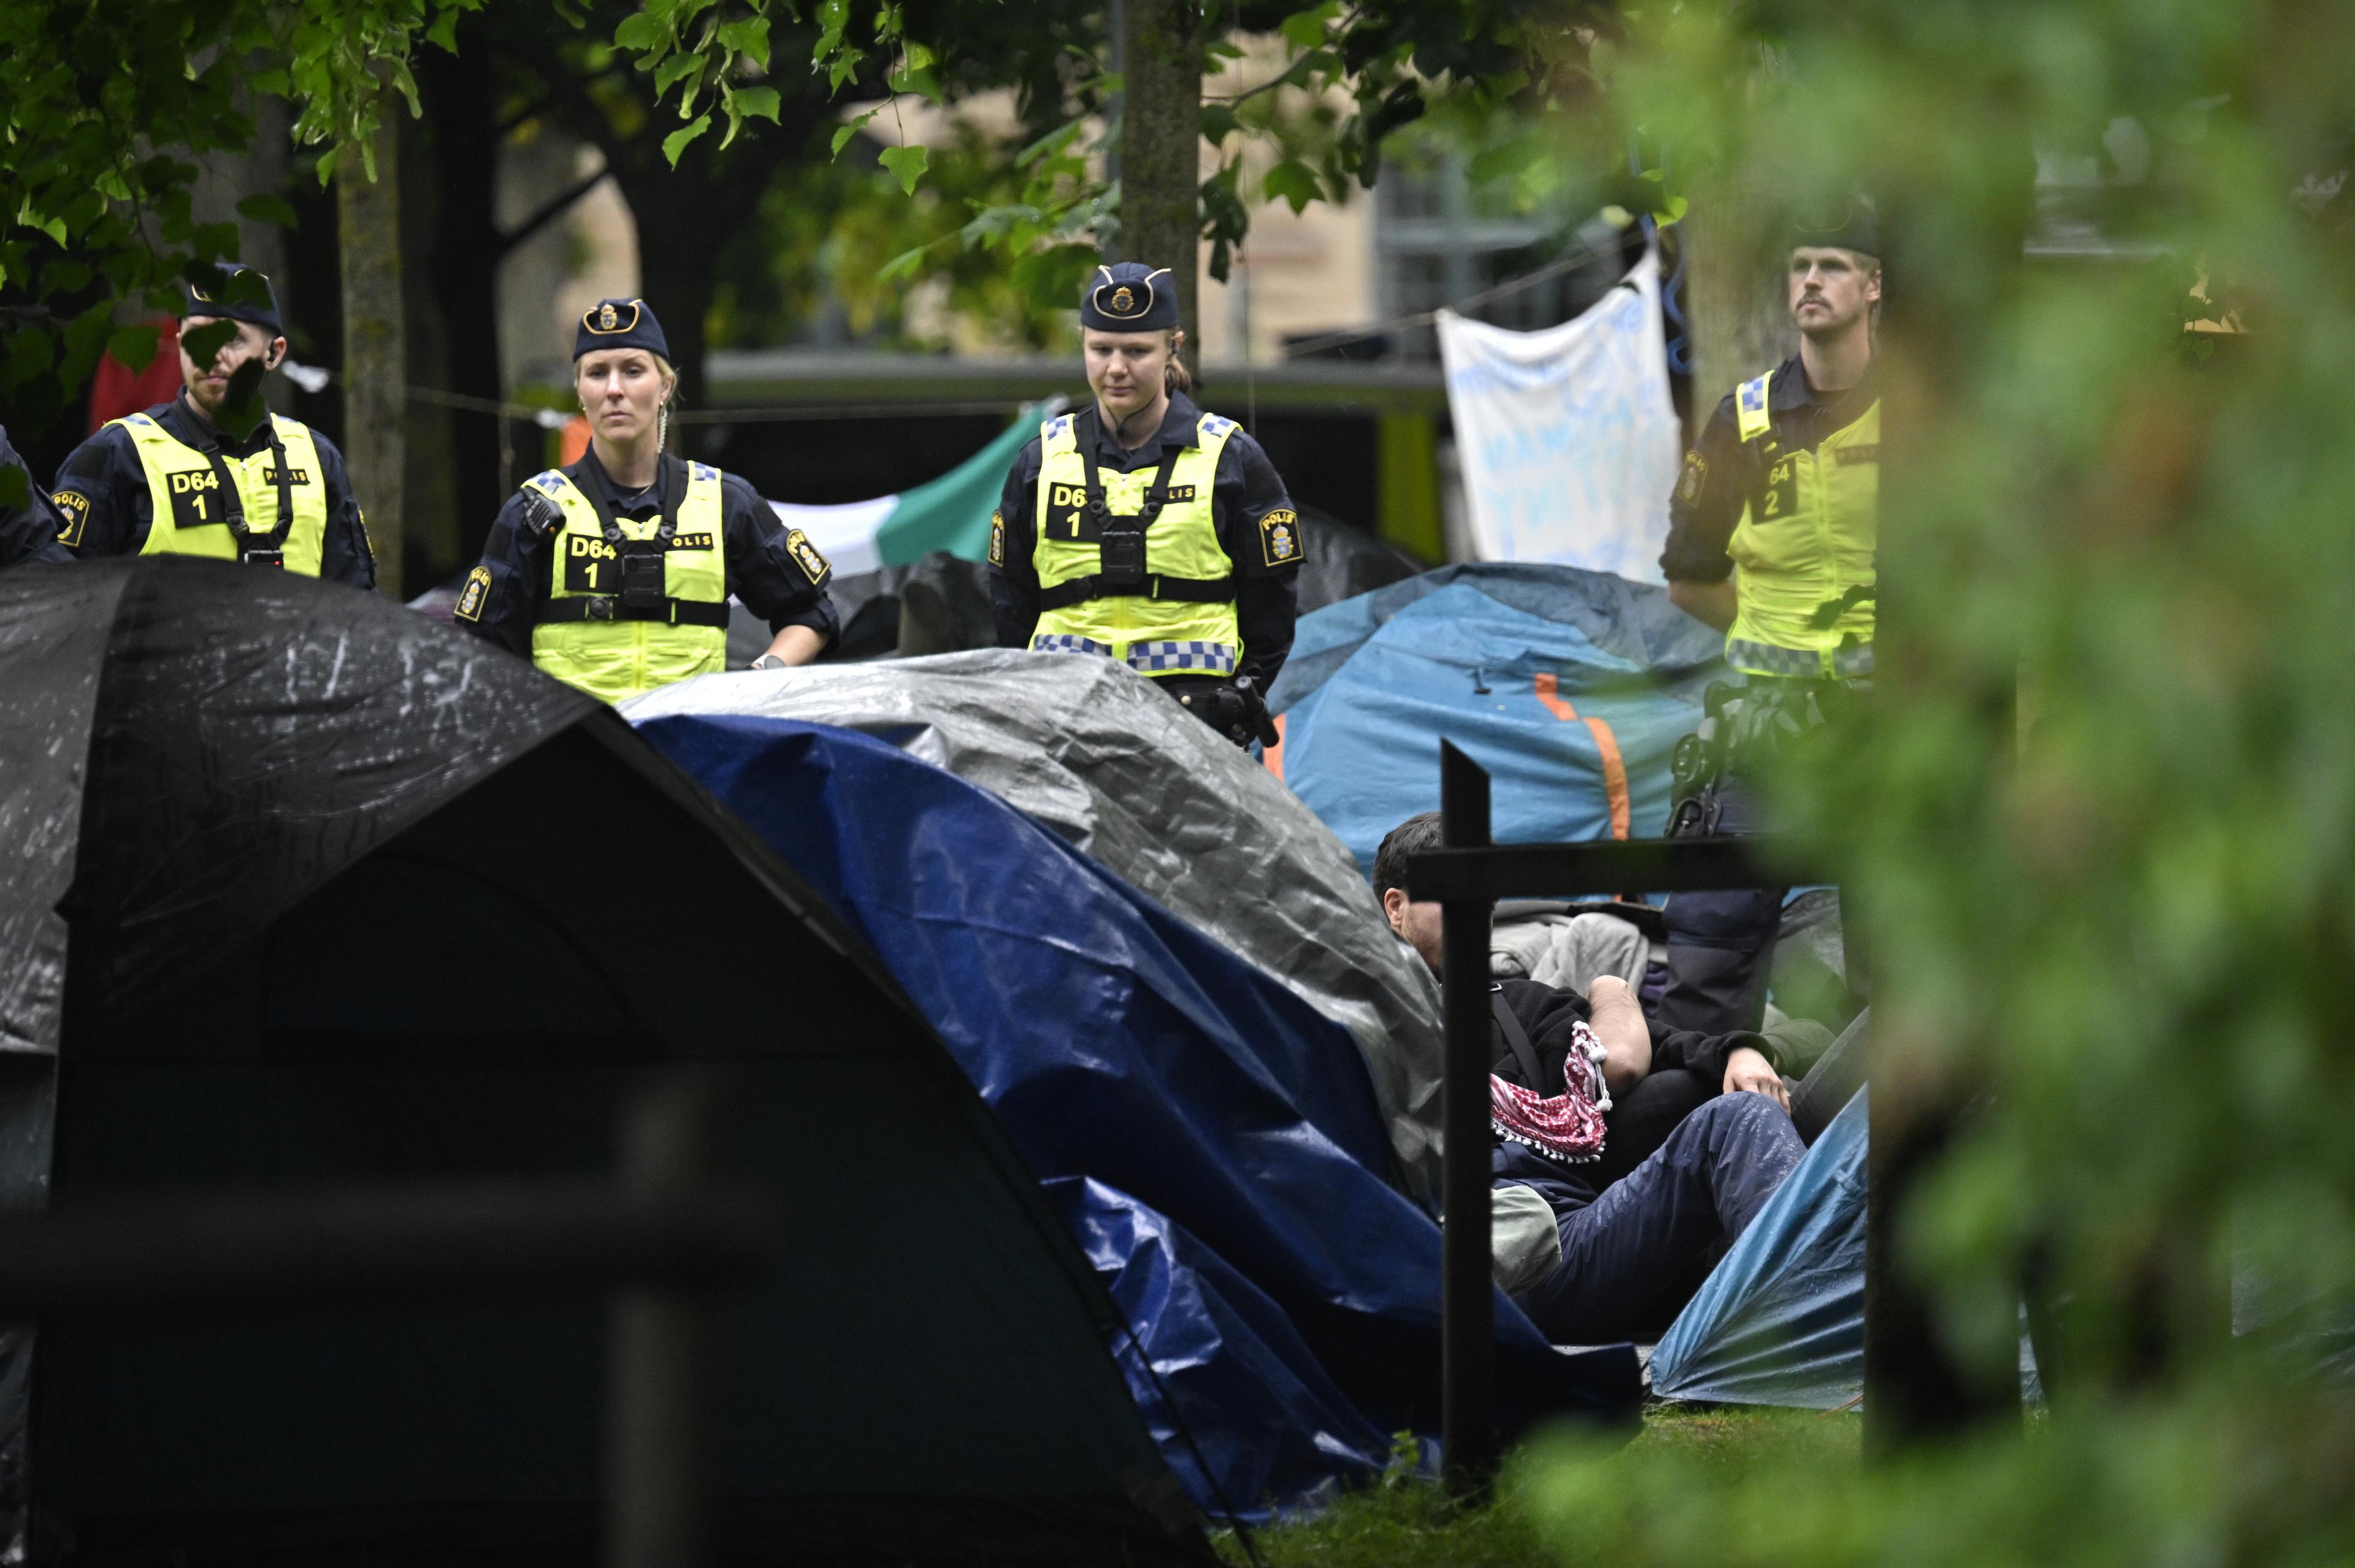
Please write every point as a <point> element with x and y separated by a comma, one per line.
<point>1215,425</point>
<point>551,480</point>
<point>1750,409</point>
<point>702,471</point>
<point>1054,429</point>
<point>137,418</point>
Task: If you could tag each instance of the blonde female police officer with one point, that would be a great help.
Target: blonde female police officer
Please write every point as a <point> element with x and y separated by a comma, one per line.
<point>613,575</point>
<point>1144,530</point>
<point>171,481</point>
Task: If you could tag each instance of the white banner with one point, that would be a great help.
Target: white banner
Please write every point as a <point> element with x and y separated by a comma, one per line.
<point>1568,439</point>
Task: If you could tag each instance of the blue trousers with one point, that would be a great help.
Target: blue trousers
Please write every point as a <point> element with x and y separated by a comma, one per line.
<point>1720,945</point>
<point>1635,1253</point>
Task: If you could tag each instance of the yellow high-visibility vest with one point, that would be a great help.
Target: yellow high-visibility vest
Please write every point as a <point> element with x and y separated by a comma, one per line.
<point>1804,543</point>
<point>589,636</point>
<point>275,525</point>
<point>1176,613</point>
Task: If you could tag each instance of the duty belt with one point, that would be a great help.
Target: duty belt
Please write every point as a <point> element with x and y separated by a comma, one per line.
<point>1152,585</point>
<point>609,607</point>
<point>1842,664</point>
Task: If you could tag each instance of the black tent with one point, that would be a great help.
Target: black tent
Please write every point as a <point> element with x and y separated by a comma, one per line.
<point>304,889</point>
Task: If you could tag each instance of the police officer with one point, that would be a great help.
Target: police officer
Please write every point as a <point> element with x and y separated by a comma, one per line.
<point>1771,538</point>
<point>176,481</point>
<point>1144,530</point>
<point>615,573</point>
<point>29,523</point>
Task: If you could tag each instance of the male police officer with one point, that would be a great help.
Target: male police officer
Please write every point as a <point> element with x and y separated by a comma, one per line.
<point>615,573</point>
<point>173,481</point>
<point>1144,530</point>
<point>1771,537</point>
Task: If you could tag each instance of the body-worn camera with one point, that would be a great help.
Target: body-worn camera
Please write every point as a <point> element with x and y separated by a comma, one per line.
<point>643,583</point>
<point>1122,554</point>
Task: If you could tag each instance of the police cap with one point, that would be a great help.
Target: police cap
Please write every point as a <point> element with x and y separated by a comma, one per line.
<point>232,299</point>
<point>1846,222</point>
<point>1128,296</point>
<point>620,324</point>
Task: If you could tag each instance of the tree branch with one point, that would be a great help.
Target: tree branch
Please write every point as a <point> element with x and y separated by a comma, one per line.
<point>549,211</point>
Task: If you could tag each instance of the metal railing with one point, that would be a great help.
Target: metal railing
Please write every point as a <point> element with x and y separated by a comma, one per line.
<point>1466,876</point>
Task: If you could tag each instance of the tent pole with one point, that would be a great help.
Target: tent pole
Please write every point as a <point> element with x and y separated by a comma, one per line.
<point>659,1411</point>
<point>1469,1307</point>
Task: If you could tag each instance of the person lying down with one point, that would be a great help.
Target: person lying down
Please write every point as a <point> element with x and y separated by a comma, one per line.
<point>1624,1159</point>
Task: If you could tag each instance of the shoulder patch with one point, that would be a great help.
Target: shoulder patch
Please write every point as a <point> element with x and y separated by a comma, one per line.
<point>1279,537</point>
<point>137,419</point>
<point>1055,427</point>
<point>806,557</point>
<point>1215,425</point>
<point>997,538</point>
<point>74,508</point>
<point>1696,475</point>
<point>471,597</point>
<point>702,471</point>
<point>551,480</point>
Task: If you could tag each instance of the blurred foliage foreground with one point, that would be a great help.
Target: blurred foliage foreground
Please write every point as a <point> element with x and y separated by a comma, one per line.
<point>2103,830</point>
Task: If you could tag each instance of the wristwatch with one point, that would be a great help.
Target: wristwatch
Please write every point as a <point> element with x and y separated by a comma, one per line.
<point>768,661</point>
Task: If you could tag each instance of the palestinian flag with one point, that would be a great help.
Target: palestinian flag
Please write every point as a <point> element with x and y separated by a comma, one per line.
<point>950,513</point>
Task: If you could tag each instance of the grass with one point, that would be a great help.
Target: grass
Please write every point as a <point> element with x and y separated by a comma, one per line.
<point>1407,1523</point>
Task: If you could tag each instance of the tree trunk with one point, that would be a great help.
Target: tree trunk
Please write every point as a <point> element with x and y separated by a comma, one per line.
<point>375,371</point>
<point>1161,131</point>
<point>1734,296</point>
<point>461,98</point>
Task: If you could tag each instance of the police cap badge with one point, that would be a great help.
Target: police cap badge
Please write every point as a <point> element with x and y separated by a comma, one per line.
<point>620,324</point>
<point>1128,296</point>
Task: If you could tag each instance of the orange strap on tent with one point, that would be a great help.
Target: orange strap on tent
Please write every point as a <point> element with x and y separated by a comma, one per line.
<point>1614,769</point>
<point>1272,757</point>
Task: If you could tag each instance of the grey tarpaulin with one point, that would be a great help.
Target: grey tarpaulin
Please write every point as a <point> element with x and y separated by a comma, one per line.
<point>309,892</point>
<point>1088,748</point>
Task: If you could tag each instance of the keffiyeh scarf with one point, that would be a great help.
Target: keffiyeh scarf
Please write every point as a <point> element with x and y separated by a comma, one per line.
<point>1567,1126</point>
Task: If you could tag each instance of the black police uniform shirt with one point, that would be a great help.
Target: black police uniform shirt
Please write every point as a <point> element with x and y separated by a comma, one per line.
<point>1722,472</point>
<point>763,573</point>
<point>101,491</point>
<point>28,530</point>
<point>1247,489</point>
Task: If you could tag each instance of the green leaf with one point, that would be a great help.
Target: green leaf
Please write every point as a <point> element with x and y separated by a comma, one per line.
<point>206,340</point>
<point>641,32</point>
<point>671,70</point>
<point>902,266</point>
<point>1305,29</point>
<point>1218,123</point>
<point>1053,141</point>
<point>444,34</point>
<point>267,208</point>
<point>749,37</point>
<point>844,133</point>
<point>755,102</point>
<point>906,164</point>
<point>133,346</point>
<point>676,142</point>
<point>1295,182</point>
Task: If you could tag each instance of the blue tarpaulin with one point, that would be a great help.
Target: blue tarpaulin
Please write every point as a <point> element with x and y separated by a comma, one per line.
<point>1781,1319</point>
<point>1209,1138</point>
<point>1572,687</point>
